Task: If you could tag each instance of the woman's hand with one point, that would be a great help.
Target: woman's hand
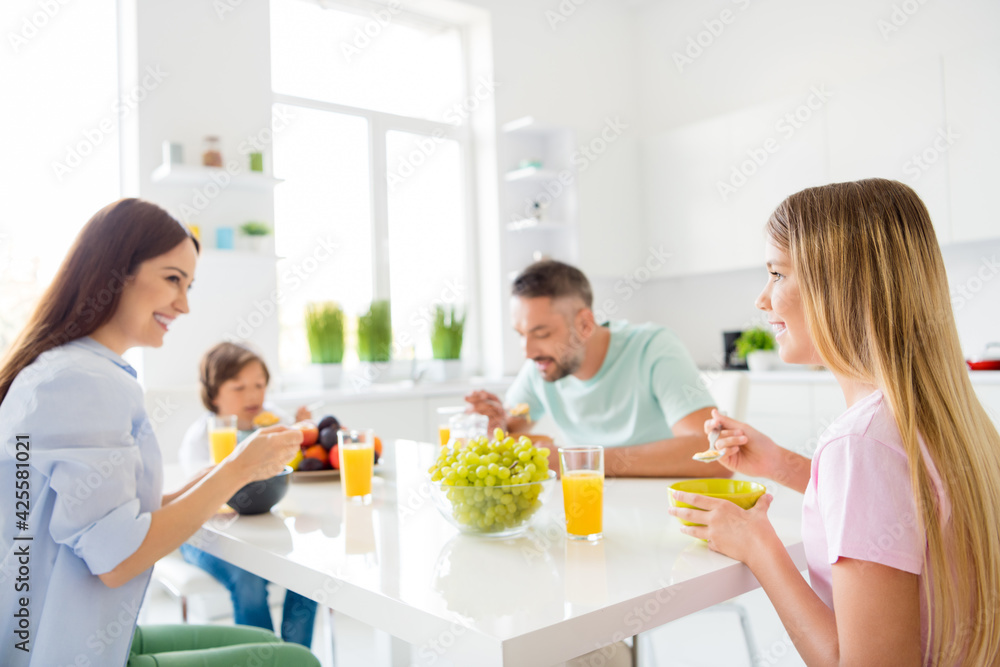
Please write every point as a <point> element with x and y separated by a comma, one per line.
<point>265,453</point>
<point>728,528</point>
<point>302,414</point>
<point>745,449</point>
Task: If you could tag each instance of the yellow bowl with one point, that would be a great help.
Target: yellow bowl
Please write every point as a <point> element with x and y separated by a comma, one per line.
<point>744,494</point>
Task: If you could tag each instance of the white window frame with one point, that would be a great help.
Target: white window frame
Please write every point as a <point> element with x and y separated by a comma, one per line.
<point>379,124</point>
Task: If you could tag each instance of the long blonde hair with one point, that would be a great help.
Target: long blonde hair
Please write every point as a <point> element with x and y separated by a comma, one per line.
<point>876,299</point>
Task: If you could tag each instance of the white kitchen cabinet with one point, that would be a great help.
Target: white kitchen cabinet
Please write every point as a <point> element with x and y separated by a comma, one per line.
<point>777,149</point>
<point>989,396</point>
<point>972,91</point>
<point>685,211</point>
<point>892,125</point>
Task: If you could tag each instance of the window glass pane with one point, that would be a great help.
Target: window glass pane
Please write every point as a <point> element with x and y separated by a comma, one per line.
<point>324,202</point>
<point>427,233</point>
<point>373,59</point>
<point>60,159</point>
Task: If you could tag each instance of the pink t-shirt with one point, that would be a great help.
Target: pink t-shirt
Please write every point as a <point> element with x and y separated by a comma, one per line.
<point>859,502</point>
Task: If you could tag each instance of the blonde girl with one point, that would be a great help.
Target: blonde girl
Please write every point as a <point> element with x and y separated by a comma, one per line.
<point>901,514</point>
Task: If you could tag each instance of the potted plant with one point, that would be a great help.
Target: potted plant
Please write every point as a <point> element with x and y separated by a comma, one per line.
<point>446,342</point>
<point>256,237</point>
<point>756,345</point>
<point>375,342</point>
<point>325,332</point>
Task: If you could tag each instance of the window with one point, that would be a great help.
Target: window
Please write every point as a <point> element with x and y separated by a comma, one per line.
<point>373,156</point>
<point>61,164</point>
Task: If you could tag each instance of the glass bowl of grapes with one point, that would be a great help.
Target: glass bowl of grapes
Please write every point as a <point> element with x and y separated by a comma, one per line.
<point>491,487</point>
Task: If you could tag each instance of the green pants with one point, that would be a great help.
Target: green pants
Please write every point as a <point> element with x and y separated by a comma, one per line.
<point>214,646</point>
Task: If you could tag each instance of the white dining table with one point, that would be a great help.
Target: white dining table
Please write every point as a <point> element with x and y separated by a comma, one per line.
<point>533,600</point>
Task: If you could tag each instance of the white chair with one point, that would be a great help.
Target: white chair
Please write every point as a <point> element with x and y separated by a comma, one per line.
<point>184,580</point>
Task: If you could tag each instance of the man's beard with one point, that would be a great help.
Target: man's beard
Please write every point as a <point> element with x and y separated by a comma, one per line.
<point>568,363</point>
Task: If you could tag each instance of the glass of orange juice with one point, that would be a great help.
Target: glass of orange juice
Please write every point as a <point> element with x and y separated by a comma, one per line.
<point>222,436</point>
<point>356,450</point>
<point>444,422</point>
<point>583,491</point>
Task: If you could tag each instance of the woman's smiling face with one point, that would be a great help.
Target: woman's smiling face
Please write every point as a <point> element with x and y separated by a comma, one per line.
<point>782,302</point>
<point>151,300</point>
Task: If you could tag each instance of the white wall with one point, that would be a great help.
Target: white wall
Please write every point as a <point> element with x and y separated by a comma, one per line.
<point>776,50</point>
<point>578,70</point>
<point>216,81</point>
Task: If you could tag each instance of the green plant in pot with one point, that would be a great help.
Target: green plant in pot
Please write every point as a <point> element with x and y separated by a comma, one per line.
<point>325,332</point>
<point>756,345</point>
<point>446,336</point>
<point>446,342</point>
<point>255,237</point>
<point>375,333</point>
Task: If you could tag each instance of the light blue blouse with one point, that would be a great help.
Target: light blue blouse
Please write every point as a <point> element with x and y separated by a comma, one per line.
<point>94,476</point>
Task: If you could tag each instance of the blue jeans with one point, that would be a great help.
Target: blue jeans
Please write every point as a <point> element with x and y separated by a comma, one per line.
<point>249,594</point>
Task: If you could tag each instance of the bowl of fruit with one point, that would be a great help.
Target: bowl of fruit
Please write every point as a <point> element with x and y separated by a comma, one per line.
<point>491,487</point>
<point>318,457</point>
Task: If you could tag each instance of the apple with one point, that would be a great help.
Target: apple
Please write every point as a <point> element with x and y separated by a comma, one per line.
<point>310,433</point>
<point>335,457</point>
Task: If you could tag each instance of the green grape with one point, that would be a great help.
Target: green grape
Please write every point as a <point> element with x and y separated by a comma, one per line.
<point>494,484</point>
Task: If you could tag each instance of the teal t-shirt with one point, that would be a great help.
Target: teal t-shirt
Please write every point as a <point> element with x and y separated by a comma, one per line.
<point>647,383</point>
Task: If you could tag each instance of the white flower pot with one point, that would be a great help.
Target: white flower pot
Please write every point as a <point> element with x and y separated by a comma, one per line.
<point>444,370</point>
<point>327,376</point>
<point>764,360</point>
<point>260,245</point>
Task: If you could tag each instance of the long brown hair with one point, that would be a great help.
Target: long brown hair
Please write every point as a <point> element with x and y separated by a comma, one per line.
<point>876,300</point>
<point>87,288</point>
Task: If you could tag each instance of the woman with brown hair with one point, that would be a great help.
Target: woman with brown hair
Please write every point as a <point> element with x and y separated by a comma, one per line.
<point>78,442</point>
<point>901,515</point>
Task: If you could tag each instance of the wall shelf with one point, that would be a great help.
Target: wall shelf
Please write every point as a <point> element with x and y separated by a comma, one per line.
<point>199,176</point>
<point>526,224</point>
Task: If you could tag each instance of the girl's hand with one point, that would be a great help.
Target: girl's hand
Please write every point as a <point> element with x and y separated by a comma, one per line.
<point>745,449</point>
<point>729,529</point>
<point>302,414</point>
<point>265,453</point>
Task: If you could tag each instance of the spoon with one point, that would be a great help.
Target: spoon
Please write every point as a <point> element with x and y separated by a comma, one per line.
<point>711,454</point>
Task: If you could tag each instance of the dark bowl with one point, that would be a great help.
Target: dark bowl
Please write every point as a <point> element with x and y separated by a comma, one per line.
<point>260,497</point>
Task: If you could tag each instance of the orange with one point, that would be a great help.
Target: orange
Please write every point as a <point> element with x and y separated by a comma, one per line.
<point>316,452</point>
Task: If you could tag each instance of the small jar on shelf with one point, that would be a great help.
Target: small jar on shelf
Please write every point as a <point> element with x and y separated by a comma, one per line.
<point>211,156</point>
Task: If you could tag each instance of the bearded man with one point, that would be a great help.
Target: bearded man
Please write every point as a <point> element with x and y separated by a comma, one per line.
<point>633,389</point>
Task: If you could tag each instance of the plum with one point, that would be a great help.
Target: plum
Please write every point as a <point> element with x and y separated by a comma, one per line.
<point>310,464</point>
<point>328,437</point>
<point>328,422</point>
